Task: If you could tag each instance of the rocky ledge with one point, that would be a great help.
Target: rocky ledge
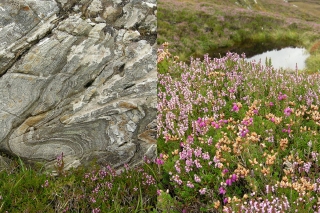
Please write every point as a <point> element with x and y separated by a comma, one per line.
<point>78,78</point>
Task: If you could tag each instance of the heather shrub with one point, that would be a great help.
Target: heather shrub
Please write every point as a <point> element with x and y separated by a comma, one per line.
<point>238,136</point>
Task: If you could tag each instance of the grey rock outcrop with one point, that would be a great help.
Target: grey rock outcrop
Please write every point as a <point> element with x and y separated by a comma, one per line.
<point>78,78</point>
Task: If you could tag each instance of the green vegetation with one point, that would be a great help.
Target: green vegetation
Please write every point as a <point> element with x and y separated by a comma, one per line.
<point>195,28</point>
<point>98,189</point>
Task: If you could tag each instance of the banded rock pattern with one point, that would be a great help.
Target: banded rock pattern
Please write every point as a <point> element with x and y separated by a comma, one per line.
<point>78,78</point>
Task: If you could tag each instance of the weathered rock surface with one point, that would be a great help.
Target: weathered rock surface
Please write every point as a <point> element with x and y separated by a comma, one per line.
<point>78,78</point>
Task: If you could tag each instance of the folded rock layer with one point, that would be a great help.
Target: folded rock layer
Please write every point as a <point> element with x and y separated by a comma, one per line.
<point>78,78</point>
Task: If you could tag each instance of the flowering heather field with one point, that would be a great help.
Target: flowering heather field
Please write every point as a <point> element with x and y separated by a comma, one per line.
<point>236,136</point>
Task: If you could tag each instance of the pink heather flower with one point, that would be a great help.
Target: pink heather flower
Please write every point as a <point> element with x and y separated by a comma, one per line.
<point>225,171</point>
<point>201,122</point>
<point>205,156</point>
<point>247,122</point>
<point>231,90</point>
<point>146,160</point>
<point>202,191</point>
<point>158,192</point>
<point>197,163</point>
<point>189,184</point>
<point>197,178</point>
<point>93,200</point>
<point>197,152</point>
<point>268,189</point>
<point>188,169</point>
<point>282,96</point>
<point>222,190</point>
<point>96,210</point>
<point>46,184</point>
<point>288,111</point>
<point>189,162</point>
<point>287,130</point>
<point>235,107</point>
<point>190,139</point>
<point>177,179</point>
<point>271,104</point>
<point>210,141</point>
<point>307,167</point>
<point>177,166</point>
<point>159,161</point>
<point>109,185</point>
<point>215,125</point>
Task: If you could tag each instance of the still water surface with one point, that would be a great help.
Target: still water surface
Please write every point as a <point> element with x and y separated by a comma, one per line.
<point>286,58</point>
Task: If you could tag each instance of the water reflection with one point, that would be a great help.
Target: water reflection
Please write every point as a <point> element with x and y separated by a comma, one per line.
<point>286,58</point>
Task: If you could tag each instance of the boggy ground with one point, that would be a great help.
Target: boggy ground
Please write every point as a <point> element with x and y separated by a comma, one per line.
<point>194,28</point>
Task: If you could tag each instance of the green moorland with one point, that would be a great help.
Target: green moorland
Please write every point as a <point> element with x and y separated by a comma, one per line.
<point>194,28</point>
<point>236,136</point>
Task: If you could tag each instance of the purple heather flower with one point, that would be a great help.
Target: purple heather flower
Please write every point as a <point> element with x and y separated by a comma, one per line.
<point>235,107</point>
<point>282,96</point>
<point>244,132</point>
<point>287,130</point>
<point>225,171</point>
<point>307,167</point>
<point>222,190</point>
<point>288,111</point>
<point>159,161</point>
<point>228,182</point>
<point>215,125</point>
<point>234,178</point>
<point>225,200</point>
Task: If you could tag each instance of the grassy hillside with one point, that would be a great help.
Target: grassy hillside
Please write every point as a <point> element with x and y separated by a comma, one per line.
<point>194,28</point>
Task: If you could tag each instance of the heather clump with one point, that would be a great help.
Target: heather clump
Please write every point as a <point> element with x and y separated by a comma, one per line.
<point>237,136</point>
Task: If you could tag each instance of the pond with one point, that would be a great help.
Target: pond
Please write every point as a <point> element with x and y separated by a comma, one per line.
<point>286,58</point>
